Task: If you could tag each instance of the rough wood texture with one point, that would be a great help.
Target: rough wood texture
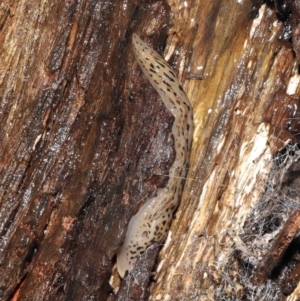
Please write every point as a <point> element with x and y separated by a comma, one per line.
<point>231,212</point>
<point>85,140</point>
<point>82,136</point>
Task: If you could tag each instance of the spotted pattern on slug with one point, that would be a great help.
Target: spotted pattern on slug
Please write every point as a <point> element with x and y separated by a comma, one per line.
<point>151,223</point>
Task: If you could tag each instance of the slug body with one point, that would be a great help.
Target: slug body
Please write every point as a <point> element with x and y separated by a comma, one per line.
<point>151,223</point>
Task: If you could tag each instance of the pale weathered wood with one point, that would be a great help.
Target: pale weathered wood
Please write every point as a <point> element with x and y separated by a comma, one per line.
<point>246,72</point>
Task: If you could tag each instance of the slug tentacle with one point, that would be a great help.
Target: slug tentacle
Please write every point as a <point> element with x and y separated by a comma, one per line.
<point>152,221</point>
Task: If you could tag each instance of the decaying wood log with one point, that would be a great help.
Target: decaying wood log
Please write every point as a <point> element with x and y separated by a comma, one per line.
<point>80,149</point>
<point>85,140</point>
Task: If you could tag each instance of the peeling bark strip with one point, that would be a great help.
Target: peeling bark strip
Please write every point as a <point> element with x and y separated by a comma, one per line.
<point>275,255</point>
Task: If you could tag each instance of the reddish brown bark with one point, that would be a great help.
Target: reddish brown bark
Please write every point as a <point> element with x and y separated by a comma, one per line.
<point>81,139</point>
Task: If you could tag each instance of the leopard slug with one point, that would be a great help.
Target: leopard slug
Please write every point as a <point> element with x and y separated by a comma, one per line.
<point>151,223</point>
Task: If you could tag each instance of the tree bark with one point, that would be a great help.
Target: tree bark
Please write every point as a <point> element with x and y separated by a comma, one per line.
<point>85,140</point>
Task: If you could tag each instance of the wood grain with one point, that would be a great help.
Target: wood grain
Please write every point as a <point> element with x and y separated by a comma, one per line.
<point>85,141</point>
